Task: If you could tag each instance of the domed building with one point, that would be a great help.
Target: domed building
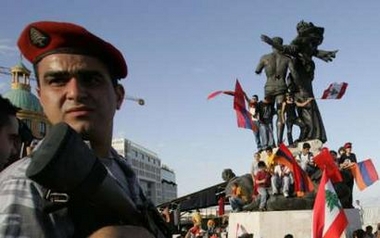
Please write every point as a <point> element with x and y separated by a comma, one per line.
<point>21,96</point>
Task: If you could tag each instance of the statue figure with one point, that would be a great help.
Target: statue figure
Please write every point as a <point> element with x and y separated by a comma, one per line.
<point>276,66</point>
<point>302,50</point>
<point>244,181</point>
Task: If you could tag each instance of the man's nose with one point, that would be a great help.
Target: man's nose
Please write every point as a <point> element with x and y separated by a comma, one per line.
<point>75,89</point>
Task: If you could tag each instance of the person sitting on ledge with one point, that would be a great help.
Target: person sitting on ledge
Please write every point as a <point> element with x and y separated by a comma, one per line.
<point>281,179</point>
<point>238,198</point>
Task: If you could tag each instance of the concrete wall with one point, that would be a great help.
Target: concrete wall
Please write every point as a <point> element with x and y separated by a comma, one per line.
<point>276,224</point>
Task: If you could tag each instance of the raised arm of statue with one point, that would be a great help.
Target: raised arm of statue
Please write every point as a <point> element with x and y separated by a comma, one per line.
<point>260,66</point>
<point>325,55</point>
<point>270,41</point>
<point>291,50</point>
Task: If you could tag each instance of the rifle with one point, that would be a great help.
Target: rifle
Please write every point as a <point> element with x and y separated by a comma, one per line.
<point>76,179</point>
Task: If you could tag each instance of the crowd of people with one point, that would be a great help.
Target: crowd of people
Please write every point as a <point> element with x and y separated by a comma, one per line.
<point>279,179</point>
<point>263,113</point>
<point>367,233</point>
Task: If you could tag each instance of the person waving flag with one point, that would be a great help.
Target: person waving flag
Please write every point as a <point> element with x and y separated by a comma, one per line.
<point>243,116</point>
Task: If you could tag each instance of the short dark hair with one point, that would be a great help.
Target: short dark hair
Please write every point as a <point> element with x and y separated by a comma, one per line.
<point>6,109</point>
<point>333,152</point>
<point>306,146</point>
<point>261,164</point>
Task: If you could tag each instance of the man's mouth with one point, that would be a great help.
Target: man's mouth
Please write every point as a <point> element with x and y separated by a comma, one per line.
<point>79,111</point>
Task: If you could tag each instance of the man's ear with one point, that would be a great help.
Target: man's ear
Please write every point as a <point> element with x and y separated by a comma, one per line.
<point>120,94</point>
<point>38,90</point>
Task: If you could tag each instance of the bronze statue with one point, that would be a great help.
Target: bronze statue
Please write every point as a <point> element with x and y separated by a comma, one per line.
<point>276,66</point>
<point>302,50</point>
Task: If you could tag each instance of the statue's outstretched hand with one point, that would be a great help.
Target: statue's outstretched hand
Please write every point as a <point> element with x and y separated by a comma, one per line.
<point>267,39</point>
<point>326,56</point>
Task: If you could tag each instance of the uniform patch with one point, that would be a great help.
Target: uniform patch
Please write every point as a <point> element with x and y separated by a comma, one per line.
<point>38,38</point>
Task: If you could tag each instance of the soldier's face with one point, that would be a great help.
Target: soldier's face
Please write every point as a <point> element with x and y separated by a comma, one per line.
<point>77,89</point>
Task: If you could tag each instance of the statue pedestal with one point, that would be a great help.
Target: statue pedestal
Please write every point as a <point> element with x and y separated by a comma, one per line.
<point>276,224</point>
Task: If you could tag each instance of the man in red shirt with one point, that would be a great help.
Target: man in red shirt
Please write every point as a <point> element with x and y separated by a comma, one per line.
<point>262,182</point>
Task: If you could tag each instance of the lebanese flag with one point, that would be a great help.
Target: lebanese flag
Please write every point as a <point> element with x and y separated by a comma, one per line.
<point>335,91</point>
<point>329,219</point>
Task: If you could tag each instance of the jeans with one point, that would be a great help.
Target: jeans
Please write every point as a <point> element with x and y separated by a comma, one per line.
<point>257,135</point>
<point>236,203</point>
<point>263,196</point>
<point>266,135</point>
<point>278,182</point>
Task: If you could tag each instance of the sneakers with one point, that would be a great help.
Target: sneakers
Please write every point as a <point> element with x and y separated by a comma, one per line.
<point>286,194</point>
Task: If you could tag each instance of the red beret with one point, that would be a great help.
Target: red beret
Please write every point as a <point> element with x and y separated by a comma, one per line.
<point>348,145</point>
<point>40,39</point>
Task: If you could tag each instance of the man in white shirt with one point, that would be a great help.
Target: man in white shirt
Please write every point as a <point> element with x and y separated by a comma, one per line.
<point>281,180</point>
<point>306,159</point>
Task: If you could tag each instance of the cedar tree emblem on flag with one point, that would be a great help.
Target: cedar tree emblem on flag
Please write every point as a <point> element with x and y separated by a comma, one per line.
<point>335,91</point>
<point>329,219</point>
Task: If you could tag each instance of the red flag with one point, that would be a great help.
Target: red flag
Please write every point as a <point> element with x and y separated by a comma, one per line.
<point>329,219</point>
<point>221,206</point>
<point>335,91</point>
<point>324,160</point>
<point>216,93</point>
<point>244,117</point>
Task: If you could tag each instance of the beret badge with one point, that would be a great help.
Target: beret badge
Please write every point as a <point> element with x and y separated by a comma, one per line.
<point>38,38</point>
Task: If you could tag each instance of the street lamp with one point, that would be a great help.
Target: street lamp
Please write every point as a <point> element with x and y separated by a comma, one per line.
<point>140,101</point>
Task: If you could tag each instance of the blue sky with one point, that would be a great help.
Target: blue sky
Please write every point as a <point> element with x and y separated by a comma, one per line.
<point>178,51</point>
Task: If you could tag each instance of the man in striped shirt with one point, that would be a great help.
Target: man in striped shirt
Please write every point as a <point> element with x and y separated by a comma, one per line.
<point>77,84</point>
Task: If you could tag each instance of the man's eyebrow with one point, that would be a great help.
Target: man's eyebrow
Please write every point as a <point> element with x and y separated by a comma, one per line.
<point>65,73</point>
<point>55,74</point>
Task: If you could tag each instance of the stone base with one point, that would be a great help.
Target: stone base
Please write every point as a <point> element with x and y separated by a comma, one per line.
<point>276,224</point>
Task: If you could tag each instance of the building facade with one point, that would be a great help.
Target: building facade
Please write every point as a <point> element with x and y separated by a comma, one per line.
<point>149,170</point>
<point>20,95</point>
<point>168,184</point>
